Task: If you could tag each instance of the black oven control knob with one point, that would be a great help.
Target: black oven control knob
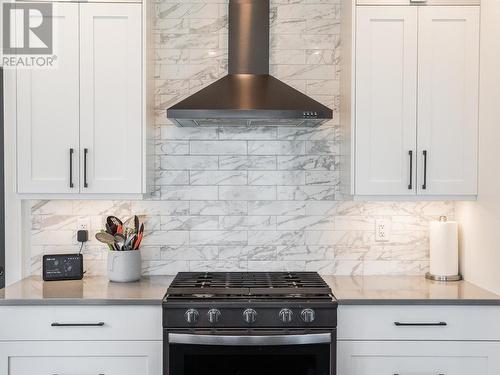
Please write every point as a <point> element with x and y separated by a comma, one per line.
<point>191,316</point>
<point>250,315</point>
<point>308,315</point>
<point>213,315</point>
<point>286,315</point>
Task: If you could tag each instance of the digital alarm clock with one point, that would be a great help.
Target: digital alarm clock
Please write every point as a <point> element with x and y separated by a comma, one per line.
<point>62,267</point>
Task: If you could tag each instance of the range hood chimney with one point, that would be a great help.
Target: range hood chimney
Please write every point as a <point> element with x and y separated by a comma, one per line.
<point>248,95</point>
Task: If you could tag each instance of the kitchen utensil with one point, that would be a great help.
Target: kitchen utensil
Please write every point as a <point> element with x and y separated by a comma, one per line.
<point>129,226</point>
<point>105,237</point>
<point>109,230</point>
<point>138,241</point>
<point>127,222</point>
<point>113,223</point>
<point>130,240</point>
<point>136,224</point>
<point>119,241</point>
<point>139,237</point>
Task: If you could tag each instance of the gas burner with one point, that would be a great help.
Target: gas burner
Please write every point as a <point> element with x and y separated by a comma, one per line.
<point>248,285</point>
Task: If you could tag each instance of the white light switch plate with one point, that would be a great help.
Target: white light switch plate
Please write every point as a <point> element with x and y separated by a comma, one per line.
<point>383,228</point>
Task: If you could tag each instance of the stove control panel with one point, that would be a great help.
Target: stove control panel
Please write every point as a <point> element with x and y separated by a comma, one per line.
<point>250,316</point>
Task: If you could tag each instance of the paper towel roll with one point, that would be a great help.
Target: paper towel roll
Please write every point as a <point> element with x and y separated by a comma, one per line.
<point>443,236</point>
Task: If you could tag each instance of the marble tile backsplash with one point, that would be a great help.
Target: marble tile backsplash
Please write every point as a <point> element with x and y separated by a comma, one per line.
<point>237,198</point>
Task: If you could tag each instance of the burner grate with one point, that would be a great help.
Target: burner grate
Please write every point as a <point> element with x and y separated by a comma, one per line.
<point>270,285</point>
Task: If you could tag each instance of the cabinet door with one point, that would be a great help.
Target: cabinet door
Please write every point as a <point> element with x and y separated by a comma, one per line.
<point>418,357</point>
<point>386,85</point>
<point>80,357</point>
<point>48,113</point>
<point>448,74</point>
<point>111,98</point>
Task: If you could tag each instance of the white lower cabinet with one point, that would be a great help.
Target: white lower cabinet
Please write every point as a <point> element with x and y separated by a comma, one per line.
<point>81,358</point>
<point>418,340</point>
<point>80,340</point>
<point>418,358</point>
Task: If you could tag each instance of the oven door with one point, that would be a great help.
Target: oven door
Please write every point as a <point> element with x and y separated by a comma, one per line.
<point>250,354</point>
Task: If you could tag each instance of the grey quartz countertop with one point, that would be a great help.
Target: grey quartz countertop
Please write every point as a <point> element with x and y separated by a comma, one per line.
<point>92,290</point>
<point>407,290</point>
<point>348,290</point>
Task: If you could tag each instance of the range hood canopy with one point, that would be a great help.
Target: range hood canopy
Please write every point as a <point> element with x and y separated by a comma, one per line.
<point>248,95</point>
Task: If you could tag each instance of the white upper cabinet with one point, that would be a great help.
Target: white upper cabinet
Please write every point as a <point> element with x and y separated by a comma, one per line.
<point>413,129</point>
<point>448,71</point>
<point>386,83</point>
<point>418,2</point>
<point>111,98</point>
<point>48,114</point>
<point>90,103</point>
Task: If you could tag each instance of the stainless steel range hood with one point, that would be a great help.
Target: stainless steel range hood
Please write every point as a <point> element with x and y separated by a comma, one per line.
<point>248,95</point>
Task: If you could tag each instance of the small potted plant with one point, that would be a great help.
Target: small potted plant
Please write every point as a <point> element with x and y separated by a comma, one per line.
<point>123,240</point>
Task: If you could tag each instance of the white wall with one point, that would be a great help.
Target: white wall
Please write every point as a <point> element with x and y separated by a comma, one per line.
<point>480,221</point>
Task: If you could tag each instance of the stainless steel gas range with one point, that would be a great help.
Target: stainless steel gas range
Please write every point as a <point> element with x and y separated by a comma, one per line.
<point>234,323</point>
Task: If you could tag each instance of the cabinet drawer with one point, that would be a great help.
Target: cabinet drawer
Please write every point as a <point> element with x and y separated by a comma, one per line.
<point>418,323</point>
<point>365,365</point>
<point>418,2</point>
<point>76,365</point>
<point>80,358</point>
<point>80,323</point>
<point>418,358</point>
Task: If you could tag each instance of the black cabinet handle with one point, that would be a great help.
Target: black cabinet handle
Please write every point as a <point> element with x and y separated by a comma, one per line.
<point>399,324</point>
<point>424,185</point>
<point>71,167</point>
<point>410,185</point>
<point>85,153</point>
<point>55,324</point>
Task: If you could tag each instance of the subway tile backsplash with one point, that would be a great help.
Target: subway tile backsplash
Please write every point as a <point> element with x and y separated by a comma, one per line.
<point>233,198</point>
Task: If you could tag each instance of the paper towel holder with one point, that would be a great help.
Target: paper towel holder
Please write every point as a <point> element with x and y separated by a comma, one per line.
<point>430,276</point>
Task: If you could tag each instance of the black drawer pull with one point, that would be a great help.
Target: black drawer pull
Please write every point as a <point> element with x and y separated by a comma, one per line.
<point>439,324</point>
<point>71,168</point>
<point>410,185</point>
<point>85,153</point>
<point>424,185</point>
<point>55,324</point>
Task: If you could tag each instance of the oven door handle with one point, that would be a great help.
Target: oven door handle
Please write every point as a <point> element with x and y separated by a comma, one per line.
<point>227,340</point>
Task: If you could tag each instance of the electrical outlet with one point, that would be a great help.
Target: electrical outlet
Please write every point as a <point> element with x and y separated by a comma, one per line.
<point>83,223</point>
<point>383,229</point>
